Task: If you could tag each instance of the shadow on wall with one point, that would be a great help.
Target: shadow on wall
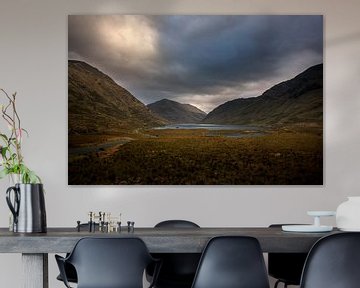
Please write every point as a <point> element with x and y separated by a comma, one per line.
<point>345,39</point>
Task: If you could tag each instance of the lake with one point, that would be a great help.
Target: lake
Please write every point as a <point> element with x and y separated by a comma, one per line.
<point>209,127</point>
<point>239,131</point>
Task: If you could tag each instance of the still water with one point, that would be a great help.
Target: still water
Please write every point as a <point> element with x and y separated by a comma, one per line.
<point>239,131</point>
<point>209,127</point>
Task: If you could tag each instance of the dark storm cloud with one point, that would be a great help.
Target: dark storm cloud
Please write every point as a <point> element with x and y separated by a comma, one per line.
<point>203,60</point>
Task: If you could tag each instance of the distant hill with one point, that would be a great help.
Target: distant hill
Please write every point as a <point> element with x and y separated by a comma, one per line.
<point>299,100</point>
<point>98,105</point>
<point>176,112</point>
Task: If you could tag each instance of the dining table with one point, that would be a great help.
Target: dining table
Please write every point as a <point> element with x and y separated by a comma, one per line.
<point>35,247</point>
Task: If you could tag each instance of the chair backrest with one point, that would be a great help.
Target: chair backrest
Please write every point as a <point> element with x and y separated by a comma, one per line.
<point>176,224</point>
<point>110,262</point>
<point>333,262</point>
<point>178,269</point>
<point>232,262</point>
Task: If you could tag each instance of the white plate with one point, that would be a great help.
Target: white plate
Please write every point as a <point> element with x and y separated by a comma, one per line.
<point>306,228</point>
<point>321,213</point>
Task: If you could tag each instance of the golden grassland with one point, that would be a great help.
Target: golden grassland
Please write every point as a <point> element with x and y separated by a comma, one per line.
<point>76,141</point>
<point>287,156</point>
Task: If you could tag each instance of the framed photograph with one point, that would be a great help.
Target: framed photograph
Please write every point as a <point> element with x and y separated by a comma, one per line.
<point>195,100</point>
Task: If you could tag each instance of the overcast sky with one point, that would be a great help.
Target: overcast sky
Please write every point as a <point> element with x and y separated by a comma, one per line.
<point>200,60</point>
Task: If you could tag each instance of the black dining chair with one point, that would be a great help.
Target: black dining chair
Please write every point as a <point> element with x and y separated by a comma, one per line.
<point>333,262</point>
<point>108,263</point>
<point>70,271</point>
<point>178,269</point>
<point>232,262</point>
<point>286,267</point>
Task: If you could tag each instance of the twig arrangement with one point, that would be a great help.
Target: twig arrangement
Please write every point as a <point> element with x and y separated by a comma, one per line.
<point>12,160</point>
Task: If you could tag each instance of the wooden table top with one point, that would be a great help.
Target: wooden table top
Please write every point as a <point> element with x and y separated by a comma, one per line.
<point>158,240</point>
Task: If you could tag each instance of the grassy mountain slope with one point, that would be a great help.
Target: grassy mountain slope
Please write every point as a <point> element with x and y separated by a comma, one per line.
<point>299,100</point>
<point>176,112</point>
<point>97,105</point>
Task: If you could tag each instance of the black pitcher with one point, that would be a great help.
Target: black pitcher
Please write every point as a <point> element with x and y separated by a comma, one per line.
<point>28,208</point>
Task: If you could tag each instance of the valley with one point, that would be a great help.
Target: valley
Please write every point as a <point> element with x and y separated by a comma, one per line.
<point>273,139</point>
<point>287,156</point>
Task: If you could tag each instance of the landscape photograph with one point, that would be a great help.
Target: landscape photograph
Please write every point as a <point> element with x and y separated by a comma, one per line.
<point>195,100</point>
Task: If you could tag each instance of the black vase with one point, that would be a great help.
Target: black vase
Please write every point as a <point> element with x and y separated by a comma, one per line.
<point>28,208</point>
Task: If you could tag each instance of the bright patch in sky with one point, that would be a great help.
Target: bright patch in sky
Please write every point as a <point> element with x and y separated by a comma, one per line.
<point>200,60</point>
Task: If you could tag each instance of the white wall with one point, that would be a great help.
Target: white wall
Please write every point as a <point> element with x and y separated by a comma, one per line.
<point>33,62</point>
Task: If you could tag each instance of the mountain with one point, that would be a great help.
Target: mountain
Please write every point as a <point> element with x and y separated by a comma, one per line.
<point>299,100</point>
<point>97,105</point>
<point>176,112</point>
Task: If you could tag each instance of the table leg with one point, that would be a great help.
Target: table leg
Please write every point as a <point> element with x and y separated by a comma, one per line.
<point>35,270</point>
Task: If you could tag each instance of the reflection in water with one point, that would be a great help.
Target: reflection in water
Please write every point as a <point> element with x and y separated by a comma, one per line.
<point>209,127</point>
<point>215,130</point>
<point>239,135</point>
